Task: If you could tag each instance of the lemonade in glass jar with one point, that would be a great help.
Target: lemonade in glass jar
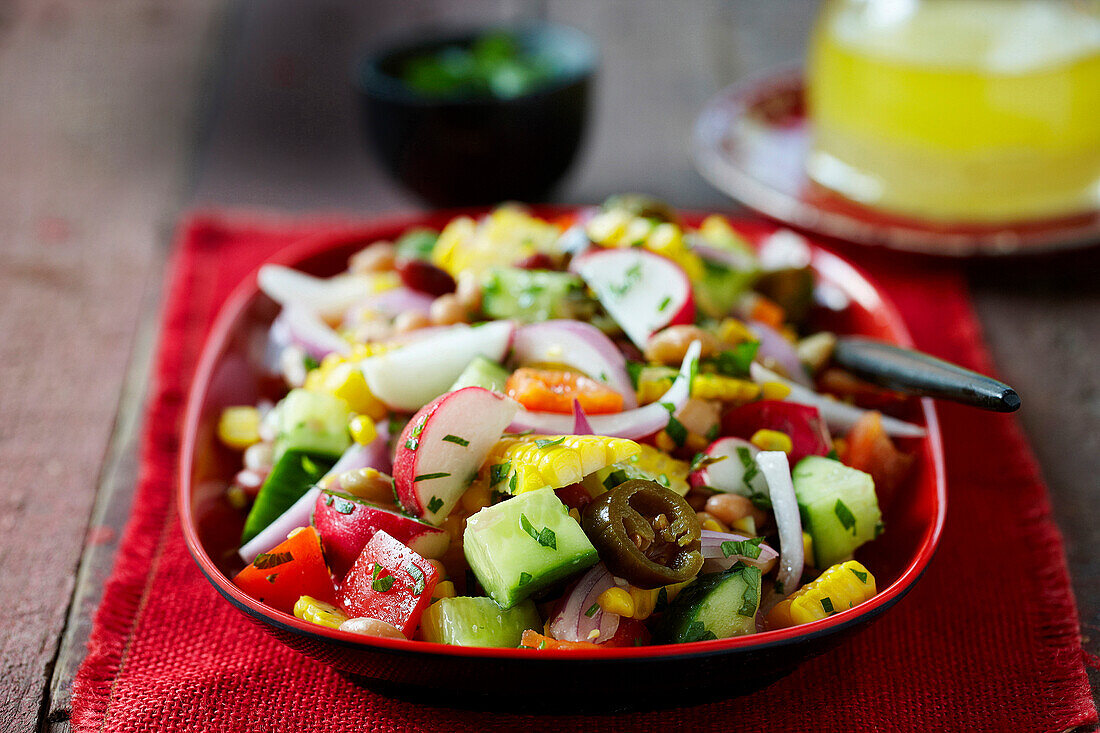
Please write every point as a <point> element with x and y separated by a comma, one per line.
<point>973,111</point>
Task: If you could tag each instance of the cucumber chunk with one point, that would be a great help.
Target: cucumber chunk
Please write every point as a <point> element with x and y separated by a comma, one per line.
<point>721,287</point>
<point>838,506</point>
<point>525,544</point>
<point>530,296</point>
<point>482,372</point>
<point>313,422</point>
<point>715,606</point>
<point>478,622</point>
<point>290,478</point>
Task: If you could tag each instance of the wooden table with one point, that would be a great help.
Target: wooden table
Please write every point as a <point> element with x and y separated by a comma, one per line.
<point>119,117</point>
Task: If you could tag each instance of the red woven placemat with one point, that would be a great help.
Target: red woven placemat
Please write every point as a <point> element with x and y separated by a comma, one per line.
<point>987,641</point>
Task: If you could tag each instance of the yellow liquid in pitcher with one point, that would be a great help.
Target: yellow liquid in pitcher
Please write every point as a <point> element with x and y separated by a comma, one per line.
<point>959,110</point>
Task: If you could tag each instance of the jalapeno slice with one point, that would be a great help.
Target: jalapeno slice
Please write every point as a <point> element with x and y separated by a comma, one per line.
<point>645,533</point>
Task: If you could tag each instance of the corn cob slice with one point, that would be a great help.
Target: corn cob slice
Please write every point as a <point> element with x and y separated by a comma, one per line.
<point>703,386</point>
<point>843,586</point>
<point>533,462</point>
<point>318,612</point>
<point>502,238</point>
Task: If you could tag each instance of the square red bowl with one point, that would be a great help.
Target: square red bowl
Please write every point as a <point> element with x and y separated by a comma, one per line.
<point>229,373</point>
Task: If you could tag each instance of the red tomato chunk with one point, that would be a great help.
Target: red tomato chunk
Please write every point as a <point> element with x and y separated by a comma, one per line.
<point>388,582</point>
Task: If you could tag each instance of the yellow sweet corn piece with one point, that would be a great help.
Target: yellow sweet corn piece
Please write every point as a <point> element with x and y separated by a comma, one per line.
<point>717,230</point>
<point>617,228</point>
<point>318,612</point>
<point>342,378</point>
<point>734,332</point>
<point>774,391</point>
<point>765,439</point>
<point>807,546</point>
<point>843,586</point>
<point>703,386</point>
<point>444,589</point>
<point>239,427</point>
<point>362,429</point>
<point>618,601</point>
<point>533,462</point>
<point>502,238</point>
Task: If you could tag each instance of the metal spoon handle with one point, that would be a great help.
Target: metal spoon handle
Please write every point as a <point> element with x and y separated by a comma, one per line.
<point>913,372</point>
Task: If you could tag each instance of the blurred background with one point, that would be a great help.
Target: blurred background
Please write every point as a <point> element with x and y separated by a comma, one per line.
<point>119,117</point>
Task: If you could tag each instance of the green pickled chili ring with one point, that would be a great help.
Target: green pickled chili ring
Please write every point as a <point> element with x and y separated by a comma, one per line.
<point>645,533</point>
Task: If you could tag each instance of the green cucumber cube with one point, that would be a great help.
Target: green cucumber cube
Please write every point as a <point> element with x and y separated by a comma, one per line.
<point>478,622</point>
<point>838,506</point>
<point>715,606</point>
<point>482,372</point>
<point>525,544</point>
<point>314,422</point>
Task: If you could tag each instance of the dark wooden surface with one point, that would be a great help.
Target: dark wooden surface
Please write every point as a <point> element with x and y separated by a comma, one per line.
<point>123,115</point>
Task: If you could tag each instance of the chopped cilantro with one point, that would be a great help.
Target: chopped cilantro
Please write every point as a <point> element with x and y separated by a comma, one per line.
<point>735,362</point>
<point>382,584</point>
<point>266,560</point>
<point>632,275</point>
<point>527,527</point>
<point>749,548</point>
<point>833,454</point>
<point>430,476</point>
<point>593,609</point>
<point>513,482</point>
<point>663,480</point>
<point>498,472</point>
<point>702,460</point>
<point>696,631</point>
<point>861,575</point>
<point>827,604</point>
<point>547,443</point>
<point>418,579</point>
<point>676,431</point>
<point>412,443</point>
<point>547,538</point>
<point>310,363</point>
<point>844,514</point>
<point>456,440</point>
<point>712,433</point>
<point>418,429</point>
<point>524,578</point>
<point>435,504</point>
<point>343,506</point>
<point>634,370</point>
<point>271,578</point>
<point>750,598</point>
<point>614,478</point>
<point>662,599</point>
<point>664,303</point>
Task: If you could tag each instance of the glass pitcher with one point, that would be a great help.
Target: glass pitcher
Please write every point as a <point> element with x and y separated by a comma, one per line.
<point>983,111</point>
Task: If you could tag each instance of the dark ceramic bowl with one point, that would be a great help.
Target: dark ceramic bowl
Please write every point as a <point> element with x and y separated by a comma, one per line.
<point>479,150</point>
<point>229,373</point>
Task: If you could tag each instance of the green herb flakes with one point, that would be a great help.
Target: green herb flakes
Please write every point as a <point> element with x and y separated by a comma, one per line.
<point>547,443</point>
<point>266,560</point>
<point>412,443</point>
<point>498,472</point>
<point>827,604</point>
<point>546,537</point>
<point>749,548</point>
<point>664,304</point>
<point>844,514</point>
<point>430,476</point>
<point>524,578</point>
<point>593,610</point>
<point>676,431</point>
<point>456,440</point>
<point>735,362</point>
<point>696,631</point>
<point>859,574</point>
<point>435,504</point>
<point>418,579</point>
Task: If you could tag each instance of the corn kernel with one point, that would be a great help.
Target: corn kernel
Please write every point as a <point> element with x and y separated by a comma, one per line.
<point>236,497</point>
<point>745,525</point>
<point>575,514</point>
<point>618,601</point>
<point>734,332</point>
<point>665,442</point>
<point>843,586</point>
<point>318,612</point>
<point>362,430</point>
<point>346,381</point>
<point>765,439</point>
<point>445,589</point>
<point>239,427</point>
<point>645,601</point>
<point>713,526</point>
<point>808,547</point>
<point>476,498</point>
<point>774,391</point>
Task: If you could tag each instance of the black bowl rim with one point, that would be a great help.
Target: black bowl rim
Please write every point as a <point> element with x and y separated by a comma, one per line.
<point>368,77</point>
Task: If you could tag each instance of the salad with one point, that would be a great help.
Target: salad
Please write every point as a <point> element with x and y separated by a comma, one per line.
<point>605,429</point>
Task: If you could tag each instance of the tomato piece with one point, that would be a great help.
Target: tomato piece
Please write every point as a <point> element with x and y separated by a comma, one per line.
<point>290,570</point>
<point>535,640</point>
<point>870,449</point>
<point>802,423</point>
<point>546,390</point>
<point>631,632</point>
<point>388,582</point>
<point>845,384</point>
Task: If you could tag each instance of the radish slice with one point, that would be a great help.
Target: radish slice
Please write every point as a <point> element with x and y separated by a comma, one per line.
<point>777,472</point>
<point>734,471</point>
<point>312,335</point>
<point>636,423</point>
<point>580,420</point>
<point>716,558</point>
<point>574,622</point>
<point>773,345</point>
<point>374,455</point>
<point>579,345</point>
<point>642,291</point>
<point>837,415</point>
<point>328,297</point>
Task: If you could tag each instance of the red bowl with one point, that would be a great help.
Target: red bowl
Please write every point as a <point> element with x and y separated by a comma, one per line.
<point>229,373</point>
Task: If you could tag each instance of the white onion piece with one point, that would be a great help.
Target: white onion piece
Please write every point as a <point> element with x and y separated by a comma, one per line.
<point>784,250</point>
<point>579,345</point>
<point>837,415</point>
<point>573,623</point>
<point>715,559</point>
<point>375,455</point>
<point>777,472</point>
<point>311,334</point>
<point>327,297</point>
<point>580,420</point>
<point>636,423</point>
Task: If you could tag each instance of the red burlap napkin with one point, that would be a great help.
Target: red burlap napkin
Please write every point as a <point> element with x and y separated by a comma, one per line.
<point>988,640</point>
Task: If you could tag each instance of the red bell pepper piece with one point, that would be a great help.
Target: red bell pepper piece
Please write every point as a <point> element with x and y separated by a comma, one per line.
<point>388,582</point>
<point>801,423</point>
<point>294,568</point>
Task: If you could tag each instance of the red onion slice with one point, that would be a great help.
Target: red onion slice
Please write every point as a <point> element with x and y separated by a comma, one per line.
<point>775,346</point>
<point>391,302</point>
<point>327,297</point>
<point>574,622</point>
<point>636,423</point>
<point>837,415</point>
<point>580,420</point>
<point>716,559</point>
<point>307,331</point>
<point>777,472</point>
